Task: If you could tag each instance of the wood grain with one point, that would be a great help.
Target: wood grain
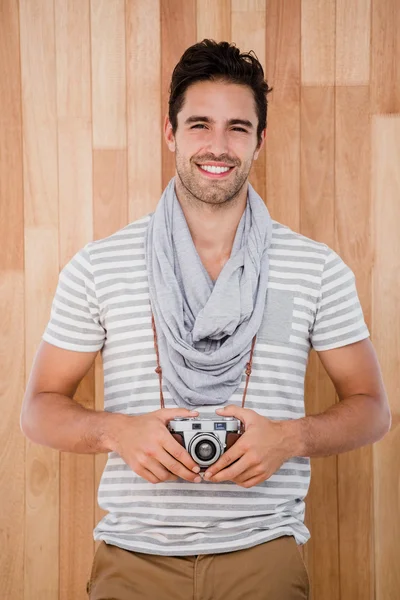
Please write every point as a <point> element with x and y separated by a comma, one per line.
<point>248,31</point>
<point>385,328</point>
<point>145,142</point>
<point>385,57</point>
<point>12,319</point>
<point>353,241</point>
<point>41,220</point>
<point>317,221</point>
<point>83,97</point>
<point>318,42</point>
<point>108,73</point>
<point>282,36</point>
<point>176,15</point>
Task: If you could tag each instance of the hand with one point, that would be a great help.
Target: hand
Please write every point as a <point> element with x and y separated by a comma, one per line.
<point>259,451</point>
<point>148,447</point>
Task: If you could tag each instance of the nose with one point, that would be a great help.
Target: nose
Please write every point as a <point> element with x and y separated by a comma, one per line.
<point>218,143</point>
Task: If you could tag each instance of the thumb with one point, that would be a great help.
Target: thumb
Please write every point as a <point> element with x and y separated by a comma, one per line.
<point>231,410</point>
<point>167,414</point>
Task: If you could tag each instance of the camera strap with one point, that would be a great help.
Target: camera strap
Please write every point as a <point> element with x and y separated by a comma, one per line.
<point>158,369</point>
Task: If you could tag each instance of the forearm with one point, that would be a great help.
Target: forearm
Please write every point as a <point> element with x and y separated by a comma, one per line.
<point>347,425</point>
<point>59,422</point>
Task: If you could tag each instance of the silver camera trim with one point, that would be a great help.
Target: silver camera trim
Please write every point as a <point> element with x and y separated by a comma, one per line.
<point>192,437</point>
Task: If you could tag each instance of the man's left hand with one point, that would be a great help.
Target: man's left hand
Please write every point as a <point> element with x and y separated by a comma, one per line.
<point>260,450</point>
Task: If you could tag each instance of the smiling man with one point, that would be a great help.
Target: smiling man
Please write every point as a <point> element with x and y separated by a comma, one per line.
<point>215,147</point>
<point>206,307</point>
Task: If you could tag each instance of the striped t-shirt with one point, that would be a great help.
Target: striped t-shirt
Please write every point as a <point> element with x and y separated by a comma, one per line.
<point>102,303</point>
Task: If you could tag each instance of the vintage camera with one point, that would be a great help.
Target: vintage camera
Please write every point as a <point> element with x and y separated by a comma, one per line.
<point>205,438</point>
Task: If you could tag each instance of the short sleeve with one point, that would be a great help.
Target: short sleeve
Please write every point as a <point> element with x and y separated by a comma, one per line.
<point>75,316</point>
<point>339,318</point>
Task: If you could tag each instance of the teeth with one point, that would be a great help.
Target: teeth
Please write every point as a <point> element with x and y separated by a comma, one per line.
<point>214,169</point>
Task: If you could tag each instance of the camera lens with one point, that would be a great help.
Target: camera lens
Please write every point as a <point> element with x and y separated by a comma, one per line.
<point>205,450</point>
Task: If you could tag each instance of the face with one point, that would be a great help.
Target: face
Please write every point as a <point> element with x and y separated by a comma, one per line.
<point>205,134</point>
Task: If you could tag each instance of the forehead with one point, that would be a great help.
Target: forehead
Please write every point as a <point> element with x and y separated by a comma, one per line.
<point>220,100</point>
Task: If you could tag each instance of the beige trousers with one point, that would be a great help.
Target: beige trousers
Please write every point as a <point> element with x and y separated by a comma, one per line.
<point>273,570</point>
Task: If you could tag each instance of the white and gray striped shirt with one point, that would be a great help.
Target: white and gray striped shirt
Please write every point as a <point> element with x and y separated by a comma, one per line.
<point>102,303</point>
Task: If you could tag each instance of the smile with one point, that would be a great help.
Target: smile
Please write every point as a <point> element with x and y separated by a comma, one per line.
<point>211,175</point>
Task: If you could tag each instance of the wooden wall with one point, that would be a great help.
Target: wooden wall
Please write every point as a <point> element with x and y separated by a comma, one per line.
<point>83,94</point>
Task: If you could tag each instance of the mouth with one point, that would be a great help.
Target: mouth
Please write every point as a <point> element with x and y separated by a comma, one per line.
<point>209,175</point>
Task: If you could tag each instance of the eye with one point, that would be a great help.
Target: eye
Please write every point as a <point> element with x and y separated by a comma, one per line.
<point>238,128</point>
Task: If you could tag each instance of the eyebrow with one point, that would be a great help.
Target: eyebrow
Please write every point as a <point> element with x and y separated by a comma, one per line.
<point>195,118</point>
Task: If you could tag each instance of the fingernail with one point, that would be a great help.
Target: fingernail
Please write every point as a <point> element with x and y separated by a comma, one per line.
<point>196,469</point>
<point>197,479</point>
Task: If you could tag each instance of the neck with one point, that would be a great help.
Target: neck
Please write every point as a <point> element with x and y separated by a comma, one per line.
<point>213,227</point>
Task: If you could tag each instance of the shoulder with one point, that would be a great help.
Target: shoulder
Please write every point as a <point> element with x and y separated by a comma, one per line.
<point>298,251</point>
<point>132,233</point>
<point>282,235</point>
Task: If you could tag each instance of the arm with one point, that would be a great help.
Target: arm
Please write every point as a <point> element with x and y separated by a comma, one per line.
<point>361,417</point>
<point>51,417</point>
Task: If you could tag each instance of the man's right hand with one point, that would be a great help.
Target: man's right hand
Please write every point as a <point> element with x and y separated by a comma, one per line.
<point>148,447</point>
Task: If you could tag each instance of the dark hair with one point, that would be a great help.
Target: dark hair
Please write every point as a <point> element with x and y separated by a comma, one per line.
<point>209,60</point>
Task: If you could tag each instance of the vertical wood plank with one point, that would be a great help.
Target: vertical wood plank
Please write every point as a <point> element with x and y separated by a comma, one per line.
<point>110,205</point>
<point>12,341</point>
<point>110,177</point>
<point>317,222</point>
<point>248,31</point>
<point>317,164</point>
<point>213,20</point>
<point>314,172</point>
<point>385,57</point>
<point>385,328</point>
<point>108,73</point>
<point>176,15</point>
<point>354,244</point>
<point>282,34</point>
<point>144,123</point>
<point>318,42</point>
<point>321,552</point>
<point>72,20</point>
<point>40,178</point>
<point>353,32</point>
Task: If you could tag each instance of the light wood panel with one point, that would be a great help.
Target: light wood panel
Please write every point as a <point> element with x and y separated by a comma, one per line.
<point>176,15</point>
<point>248,24</point>
<point>144,114</point>
<point>41,223</point>
<point>12,317</point>
<point>385,328</point>
<point>317,221</point>
<point>282,38</point>
<point>84,94</point>
<point>74,128</point>
<point>354,243</point>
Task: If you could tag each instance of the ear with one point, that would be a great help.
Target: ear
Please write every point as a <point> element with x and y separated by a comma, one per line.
<point>169,136</point>
<point>259,148</point>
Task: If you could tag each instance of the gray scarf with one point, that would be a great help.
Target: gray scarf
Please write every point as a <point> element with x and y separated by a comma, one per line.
<point>205,329</point>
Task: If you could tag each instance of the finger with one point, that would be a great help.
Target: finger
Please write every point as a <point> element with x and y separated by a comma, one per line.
<point>233,471</point>
<point>157,470</point>
<point>146,474</point>
<point>248,474</point>
<point>178,452</point>
<point>230,456</point>
<point>167,414</point>
<point>175,466</point>
<point>251,482</point>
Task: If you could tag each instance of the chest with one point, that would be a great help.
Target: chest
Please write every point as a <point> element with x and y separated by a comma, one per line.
<point>212,266</point>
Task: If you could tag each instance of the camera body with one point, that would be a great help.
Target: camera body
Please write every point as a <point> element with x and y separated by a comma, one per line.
<point>205,438</point>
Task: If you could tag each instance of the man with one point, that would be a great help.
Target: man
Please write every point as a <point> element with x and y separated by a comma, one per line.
<point>216,273</point>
